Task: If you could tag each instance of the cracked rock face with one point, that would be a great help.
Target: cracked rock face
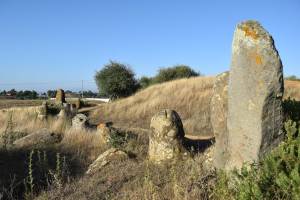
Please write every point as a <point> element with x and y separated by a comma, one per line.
<point>219,109</point>
<point>167,133</point>
<point>79,122</point>
<point>60,96</point>
<point>254,95</point>
<point>105,158</point>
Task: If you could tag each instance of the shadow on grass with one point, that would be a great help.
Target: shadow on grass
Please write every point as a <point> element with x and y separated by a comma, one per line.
<point>197,146</point>
<point>291,110</point>
<point>46,165</point>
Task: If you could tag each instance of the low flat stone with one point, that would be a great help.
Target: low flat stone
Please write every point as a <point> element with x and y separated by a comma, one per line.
<point>108,156</point>
<point>39,138</point>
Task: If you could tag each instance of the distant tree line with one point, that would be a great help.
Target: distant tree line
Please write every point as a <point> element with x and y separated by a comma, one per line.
<point>292,78</point>
<point>116,79</point>
<point>69,93</point>
<point>27,94</point>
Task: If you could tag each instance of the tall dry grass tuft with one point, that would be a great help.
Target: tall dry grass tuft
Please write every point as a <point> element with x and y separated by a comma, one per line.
<point>189,97</point>
<point>85,145</point>
<point>26,120</point>
<point>292,89</point>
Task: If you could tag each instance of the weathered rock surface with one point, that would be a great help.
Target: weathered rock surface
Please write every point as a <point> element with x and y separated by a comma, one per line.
<point>255,95</point>
<point>60,96</point>
<point>219,109</point>
<point>103,129</point>
<point>78,103</point>
<point>79,122</point>
<point>62,115</point>
<point>41,137</point>
<point>165,140</point>
<point>42,111</point>
<point>108,156</point>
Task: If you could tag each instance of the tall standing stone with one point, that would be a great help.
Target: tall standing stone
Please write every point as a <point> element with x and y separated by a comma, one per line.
<point>219,109</point>
<point>60,96</point>
<point>254,95</point>
<point>165,140</point>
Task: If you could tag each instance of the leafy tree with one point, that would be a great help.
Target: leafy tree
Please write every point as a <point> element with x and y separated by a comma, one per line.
<point>27,94</point>
<point>146,81</point>
<point>13,92</point>
<point>293,78</point>
<point>51,93</point>
<point>3,93</point>
<point>176,72</point>
<point>116,80</point>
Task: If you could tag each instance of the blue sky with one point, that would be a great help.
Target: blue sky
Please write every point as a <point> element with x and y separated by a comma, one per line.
<point>46,44</point>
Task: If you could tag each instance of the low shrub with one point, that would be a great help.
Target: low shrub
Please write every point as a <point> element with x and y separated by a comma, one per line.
<point>277,176</point>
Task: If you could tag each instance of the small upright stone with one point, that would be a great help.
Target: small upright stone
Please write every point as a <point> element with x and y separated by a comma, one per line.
<point>79,122</point>
<point>78,103</point>
<point>60,96</point>
<point>218,109</point>
<point>254,95</point>
<point>104,130</point>
<point>42,111</point>
<point>165,140</point>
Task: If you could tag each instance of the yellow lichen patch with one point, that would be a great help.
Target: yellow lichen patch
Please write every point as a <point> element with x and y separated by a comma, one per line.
<point>258,59</point>
<point>250,32</point>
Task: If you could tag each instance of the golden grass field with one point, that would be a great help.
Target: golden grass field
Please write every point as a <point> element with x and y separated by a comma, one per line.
<point>134,178</point>
<point>189,97</point>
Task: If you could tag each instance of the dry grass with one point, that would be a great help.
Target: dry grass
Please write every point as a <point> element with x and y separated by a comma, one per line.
<point>134,178</point>
<point>26,120</point>
<point>137,180</point>
<point>8,103</point>
<point>292,89</point>
<point>189,97</point>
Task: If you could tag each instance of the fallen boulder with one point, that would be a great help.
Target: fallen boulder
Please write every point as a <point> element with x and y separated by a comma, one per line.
<point>108,156</point>
<point>39,138</point>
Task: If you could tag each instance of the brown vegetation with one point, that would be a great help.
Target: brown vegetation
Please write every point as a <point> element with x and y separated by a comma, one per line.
<point>189,97</point>
<point>134,178</point>
<point>292,89</point>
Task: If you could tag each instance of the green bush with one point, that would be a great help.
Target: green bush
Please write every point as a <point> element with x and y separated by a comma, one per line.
<point>291,110</point>
<point>277,176</point>
<point>168,74</point>
<point>176,72</point>
<point>116,80</point>
<point>292,78</point>
<point>146,81</point>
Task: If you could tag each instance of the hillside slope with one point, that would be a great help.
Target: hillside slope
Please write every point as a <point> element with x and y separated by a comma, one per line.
<point>189,97</point>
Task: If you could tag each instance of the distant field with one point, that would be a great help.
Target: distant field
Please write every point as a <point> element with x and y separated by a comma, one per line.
<point>189,97</point>
<point>8,103</point>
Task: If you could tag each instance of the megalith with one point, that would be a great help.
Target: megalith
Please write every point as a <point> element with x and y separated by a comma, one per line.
<point>254,95</point>
<point>60,96</point>
<point>79,122</point>
<point>42,111</point>
<point>218,110</point>
<point>166,137</point>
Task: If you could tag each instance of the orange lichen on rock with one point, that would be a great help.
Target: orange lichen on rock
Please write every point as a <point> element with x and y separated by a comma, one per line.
<point>258,59</point>
<point>250,32</point>
<point>101,126</point>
